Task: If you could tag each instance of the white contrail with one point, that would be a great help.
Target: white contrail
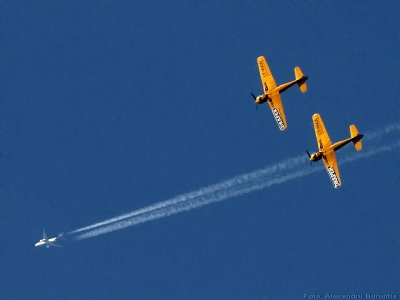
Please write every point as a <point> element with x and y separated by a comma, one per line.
<point>224,185</point>
<point>190,204</point>
<point>379,133</point>
<point>231,183</point>
<point>221,194</point>
<point>234,182</point>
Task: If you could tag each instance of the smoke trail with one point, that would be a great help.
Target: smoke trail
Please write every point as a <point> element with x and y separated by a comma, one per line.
<point>221,194</point>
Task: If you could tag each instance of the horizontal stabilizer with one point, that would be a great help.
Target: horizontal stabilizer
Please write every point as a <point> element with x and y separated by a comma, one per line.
<point>301,79</point>
<point>357,137</point>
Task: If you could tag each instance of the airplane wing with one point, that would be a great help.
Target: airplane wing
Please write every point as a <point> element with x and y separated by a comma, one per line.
<point>44,234</point>
<point>331,166</point>
<point>321,134</point>
<point>267,79</point>
<point>277,111</point>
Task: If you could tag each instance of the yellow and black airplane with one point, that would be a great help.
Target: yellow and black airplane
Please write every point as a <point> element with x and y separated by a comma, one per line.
<point>327,149</point>
<point>272,91</point>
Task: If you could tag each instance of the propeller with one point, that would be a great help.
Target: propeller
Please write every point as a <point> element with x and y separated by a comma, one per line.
<point>309,156</point>
<point>255,99</point>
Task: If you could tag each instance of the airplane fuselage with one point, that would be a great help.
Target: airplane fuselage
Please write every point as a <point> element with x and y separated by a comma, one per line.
<point>279,89</point>
<point>316,156</point>
<point>46,242</point>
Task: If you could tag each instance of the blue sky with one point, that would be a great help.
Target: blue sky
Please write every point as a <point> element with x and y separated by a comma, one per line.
<point>110,106</point>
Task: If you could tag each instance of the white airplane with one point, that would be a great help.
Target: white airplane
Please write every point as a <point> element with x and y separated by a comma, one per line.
<point>49,242</point>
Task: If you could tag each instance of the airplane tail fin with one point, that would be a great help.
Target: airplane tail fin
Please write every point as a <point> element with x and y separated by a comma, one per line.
<point>302,79</point>
<point>354,134</point>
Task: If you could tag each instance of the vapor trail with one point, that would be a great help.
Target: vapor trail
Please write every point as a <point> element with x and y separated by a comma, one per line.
<point>286,165</point>
<point>242,187</point>
<point>215,188</point>
<point>379,133</point>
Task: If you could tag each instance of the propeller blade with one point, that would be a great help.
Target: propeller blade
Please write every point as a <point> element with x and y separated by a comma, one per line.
<point>309,155</point>
<point>255,99</point>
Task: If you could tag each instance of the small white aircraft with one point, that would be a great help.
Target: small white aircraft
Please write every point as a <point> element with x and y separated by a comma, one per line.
<point>49,242</point>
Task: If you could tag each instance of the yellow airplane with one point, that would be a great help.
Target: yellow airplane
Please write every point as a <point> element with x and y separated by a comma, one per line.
<point>327,149</point>
<point>272,92</point>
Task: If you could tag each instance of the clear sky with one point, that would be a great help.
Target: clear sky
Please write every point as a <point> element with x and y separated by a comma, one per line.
<point>111,106</point>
